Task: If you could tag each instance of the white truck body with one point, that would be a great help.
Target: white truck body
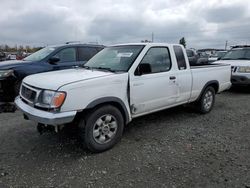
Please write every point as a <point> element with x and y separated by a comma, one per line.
<point>140,95</point>
<point>120,83</point>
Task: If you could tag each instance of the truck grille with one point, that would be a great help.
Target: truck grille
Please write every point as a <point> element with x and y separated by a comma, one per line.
<point>28,94</point>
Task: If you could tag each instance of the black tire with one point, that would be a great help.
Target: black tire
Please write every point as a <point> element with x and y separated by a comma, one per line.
<point>205,104</point>
<point>102,128</point>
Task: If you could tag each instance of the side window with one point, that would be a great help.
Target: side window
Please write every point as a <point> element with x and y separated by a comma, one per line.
<point>66,55</point>
<point>157,59</point>
<point>180,58</point>
<point>85,53</point>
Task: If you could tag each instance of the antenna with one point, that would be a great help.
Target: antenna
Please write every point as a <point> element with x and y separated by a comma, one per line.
<point>226,45</point>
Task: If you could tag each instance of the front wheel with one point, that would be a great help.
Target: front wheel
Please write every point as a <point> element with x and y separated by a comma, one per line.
<point>102,128</point>
<point>206,102</point>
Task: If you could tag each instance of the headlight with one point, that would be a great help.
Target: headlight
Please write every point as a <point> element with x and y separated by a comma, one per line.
<point>5,73</point>
<point>244,69</point>
<point>51,99</point>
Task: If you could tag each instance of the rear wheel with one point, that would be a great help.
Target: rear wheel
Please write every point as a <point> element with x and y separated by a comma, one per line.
<point>206,102</point>
<point>102,128</point>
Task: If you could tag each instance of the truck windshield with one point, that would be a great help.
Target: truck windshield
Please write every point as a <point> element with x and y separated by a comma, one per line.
<point>115,58</point>
<point>240,53</point>
<point>39,55</point>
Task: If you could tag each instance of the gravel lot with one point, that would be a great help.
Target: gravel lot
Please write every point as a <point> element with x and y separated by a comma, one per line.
<point>172,148</point>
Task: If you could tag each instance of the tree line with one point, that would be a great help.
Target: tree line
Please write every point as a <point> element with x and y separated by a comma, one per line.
<point>20,48</point>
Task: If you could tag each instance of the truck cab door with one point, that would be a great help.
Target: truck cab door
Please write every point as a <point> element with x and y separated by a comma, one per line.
<point>153,85</point>
<point>184,75</point>
<point>66,57</point>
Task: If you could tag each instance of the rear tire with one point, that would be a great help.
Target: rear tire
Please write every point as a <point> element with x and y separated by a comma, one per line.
<point>206,101</point>
<point>102,128</point>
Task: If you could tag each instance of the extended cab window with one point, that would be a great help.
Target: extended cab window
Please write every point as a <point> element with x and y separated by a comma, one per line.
<point>66,55</point>
<point>180,58</point>
<point>157,59</point>
<point>85,53</point>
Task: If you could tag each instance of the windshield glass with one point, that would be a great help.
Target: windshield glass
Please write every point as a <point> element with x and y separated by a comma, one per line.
<point>239,53</point>
<point>39,55</point>
<point>221,54</point>
<point>115,58</point>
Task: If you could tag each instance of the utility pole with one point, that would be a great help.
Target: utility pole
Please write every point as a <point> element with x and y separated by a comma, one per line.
<point>152,37</point>
<point>226,45</point>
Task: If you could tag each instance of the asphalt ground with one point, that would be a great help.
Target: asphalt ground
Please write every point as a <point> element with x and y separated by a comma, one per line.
<point>172,148</point>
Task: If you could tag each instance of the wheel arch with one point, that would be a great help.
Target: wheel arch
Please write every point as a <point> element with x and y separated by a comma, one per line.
<point>212,83</point>
<point>118,103</point>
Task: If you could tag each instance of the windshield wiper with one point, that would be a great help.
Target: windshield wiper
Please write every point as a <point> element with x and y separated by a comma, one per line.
<point>86,67</point>
<point>104,68</point>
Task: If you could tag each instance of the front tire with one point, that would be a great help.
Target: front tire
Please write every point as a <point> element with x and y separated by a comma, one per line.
<point>206,102</point>
<point>102,128</point>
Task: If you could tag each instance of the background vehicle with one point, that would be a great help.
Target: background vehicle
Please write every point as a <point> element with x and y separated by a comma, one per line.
<point>221,54</point>
<point>239,59</point>
<point>192,56</point>
<point>11,57</point>
<point>195,58</point>
<point>2,56</point>
<point>50,58</point>
<point>120,83</point>
<point>217,56</point>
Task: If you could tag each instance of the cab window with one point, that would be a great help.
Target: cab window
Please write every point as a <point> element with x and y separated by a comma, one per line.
<point>180,58</point>
<point>156,60</point>
<point>67,55</point>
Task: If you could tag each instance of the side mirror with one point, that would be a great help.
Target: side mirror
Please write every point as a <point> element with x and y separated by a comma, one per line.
<point>143,68</point>
<point>53,60</point>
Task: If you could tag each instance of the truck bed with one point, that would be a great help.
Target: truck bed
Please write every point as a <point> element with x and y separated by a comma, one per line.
<point>220,73</point>
<point>207,65</point>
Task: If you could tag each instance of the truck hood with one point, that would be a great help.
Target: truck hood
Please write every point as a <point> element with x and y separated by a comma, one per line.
<point>235,63</point>
<point>56,79</point>
<point>5,65</point>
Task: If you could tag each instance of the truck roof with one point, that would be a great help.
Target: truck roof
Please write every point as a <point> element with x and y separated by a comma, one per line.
<point>76,44</point>
<point>146,44</point>
<point>240,46</point>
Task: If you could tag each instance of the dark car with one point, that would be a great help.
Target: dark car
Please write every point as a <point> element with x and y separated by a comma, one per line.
<point>196,59</point>
<point>192,57</point>
<point>51,58</point>
<point>2,56</point>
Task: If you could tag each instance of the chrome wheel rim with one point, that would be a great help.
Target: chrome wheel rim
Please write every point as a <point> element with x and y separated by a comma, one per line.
<point>105,129</point>
<point>208,100</point>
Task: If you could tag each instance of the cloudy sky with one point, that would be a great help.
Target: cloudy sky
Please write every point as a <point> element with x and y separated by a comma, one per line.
<point>203,23</point>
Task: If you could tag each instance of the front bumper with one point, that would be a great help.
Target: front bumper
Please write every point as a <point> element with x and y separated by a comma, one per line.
<point>40,116</point>
<point>240,80</point>
<point>7,90</point>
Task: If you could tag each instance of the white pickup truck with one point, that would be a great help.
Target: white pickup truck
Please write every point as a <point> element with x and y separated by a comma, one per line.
<point>120,83</point>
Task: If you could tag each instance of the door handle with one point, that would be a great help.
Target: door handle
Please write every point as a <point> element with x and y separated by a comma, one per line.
<point>172,77</point>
